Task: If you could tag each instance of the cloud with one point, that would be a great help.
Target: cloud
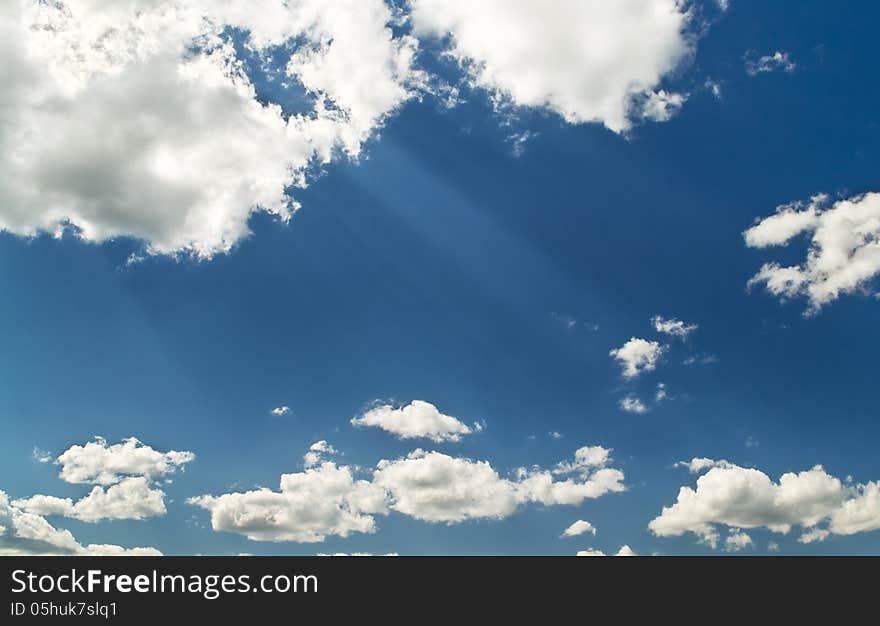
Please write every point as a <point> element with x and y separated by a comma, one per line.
<point>281,410</point>
<point>27,534</point>
<point>637,356</point>
<point>419,419</point>
<point>736,541</point>
<point>327,500</point>
<point>631,404</point>
<point>623,551</point>
<point>742,498</point>
<point>131,498</point>
<point>309,506</point>
<point>587,60</point>
<point>137,119</point>
<point>99,463</point>
<point>578,528</point>
<point>756,64</point>
<point>698,465</point>
<point>317,452</point>
<point>674,327</point>
<point>844,250</point>
<point>124,476</point>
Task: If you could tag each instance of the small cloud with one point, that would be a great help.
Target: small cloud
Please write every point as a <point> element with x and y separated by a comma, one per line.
<point>637,356</point>
<point>768,63</point>
<point>672,326</point>
<point>737,541</point>
<point>281,410</point>
<point>41,456</point>
<point>661,394</point>
<point>751,442</point>
<point>631,404</point>
<point>555,435</point>
<point>578,528</point>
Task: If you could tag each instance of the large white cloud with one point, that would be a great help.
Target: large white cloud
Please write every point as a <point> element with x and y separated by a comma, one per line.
<point>418,419</point>
<point>328,500</point>
<point>637,356</point>
<point>132,498</point>
<point>136,118</point>
<point>740,498</point>
<point>844,251</point>
<point>26,534</point>
<point>587,60</point>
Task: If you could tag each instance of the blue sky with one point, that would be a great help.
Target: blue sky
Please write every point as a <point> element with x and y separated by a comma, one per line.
<point>442,264</point>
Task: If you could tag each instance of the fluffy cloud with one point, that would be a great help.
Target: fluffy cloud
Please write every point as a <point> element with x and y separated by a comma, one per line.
<point>637,356</point>
<point>310,505</point>
<point>131,498</point>
<point>136,118</point>
<point>673,326</point>
<point>587,60</point>
<point>736,541</point>
<point>580,527</point>
<point>280,410</point>
<point>844,252</point>
<point>124,476</point>
<point>757,64</point>
<point>419,419</point>
<point>439,488</point>
<point>741,498</point>
<point>25,534</point>
<point>100,463</point>
<point>317,452</point>
<point>327,500</point>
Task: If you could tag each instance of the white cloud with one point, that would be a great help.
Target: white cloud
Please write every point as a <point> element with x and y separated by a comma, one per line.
<point>661,106</point>
<point>698,465</point>
<point>27,534</point>
<point>136,118</point>
<point>637,356</point>
<point>673,326</point>
<point>419,419</point>
<point>310,505</point>
<point>41,456</point>
<point>281,410</point>
<point>327,500</point>
<point>737,540</point>
<point>587,60</point>
<point>632,404</point>
<point>555,434</point>
<point>317,452</point>
<point>132,498</point>
<point>844,252</point>
<point>743,498</point>
<point>756,64</point>
<point>660,395</point>
<point>100,463</point>
<point>578,528</point>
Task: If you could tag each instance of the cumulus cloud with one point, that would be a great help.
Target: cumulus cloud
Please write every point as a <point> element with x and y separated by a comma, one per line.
<point>23,533</point>
<point>136,118</point>
<point>637,356</point>
<point>578,528</point>
<point>741,498</point>
<point>100,463</point>
<point>309,506</point>
<point>317,452</point>
<point>587,60</point>
<point>673,326</point>
<point>328,500</point>
<point>124,475</point>
<point>758,64</point>
<point>843,255</point>
<point>281,410</point>
<point>418,419</point>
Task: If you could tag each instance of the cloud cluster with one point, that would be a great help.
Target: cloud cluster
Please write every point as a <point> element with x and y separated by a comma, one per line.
<point>760,64</point>
<point>418,419</point>
<point>137,118</point>
<point>587,60</point>
<point>844,250</point>
<point>124,477</point>
<point>328,500</point>
<point>23,533</point>
<point>739,498</point>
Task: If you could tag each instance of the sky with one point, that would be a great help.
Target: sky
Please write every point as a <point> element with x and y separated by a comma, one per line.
<point>424,277</point>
